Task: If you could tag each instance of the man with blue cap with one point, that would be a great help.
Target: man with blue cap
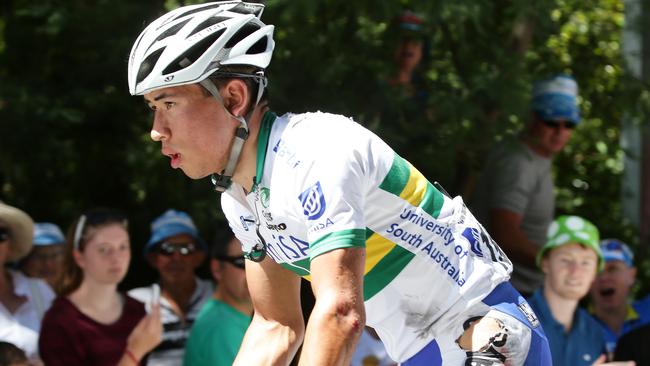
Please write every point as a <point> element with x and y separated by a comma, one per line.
<point>612,303</point>
<point>514,197</point>
<point>175,250</point>
<point>45,260</point>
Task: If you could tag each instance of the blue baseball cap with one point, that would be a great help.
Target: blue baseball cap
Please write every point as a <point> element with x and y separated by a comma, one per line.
<point>616,250</point>
<point>171,223</point>
<point>556,99</point>
<point>47,233</point>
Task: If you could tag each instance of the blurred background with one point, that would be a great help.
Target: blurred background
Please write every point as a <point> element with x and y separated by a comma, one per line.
<point>71,136</point>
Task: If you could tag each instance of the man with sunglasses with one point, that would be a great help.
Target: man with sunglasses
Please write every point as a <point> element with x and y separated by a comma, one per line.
<point>514,196</point>
<point>218,330</point>
<point>611,294</point>
<point>175,250</point>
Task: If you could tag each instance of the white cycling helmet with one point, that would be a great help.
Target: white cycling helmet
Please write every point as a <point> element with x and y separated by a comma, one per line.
<point>188,44</point>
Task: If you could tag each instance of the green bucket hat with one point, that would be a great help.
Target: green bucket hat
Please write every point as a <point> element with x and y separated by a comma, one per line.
<point>571,229</point>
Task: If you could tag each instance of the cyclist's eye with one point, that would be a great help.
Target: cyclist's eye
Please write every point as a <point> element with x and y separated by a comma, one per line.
<point>168,105</point>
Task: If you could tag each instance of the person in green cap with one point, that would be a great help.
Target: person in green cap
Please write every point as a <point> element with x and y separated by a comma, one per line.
<point>570,260</point>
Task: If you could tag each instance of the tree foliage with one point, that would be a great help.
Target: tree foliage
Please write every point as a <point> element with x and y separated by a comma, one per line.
<point>72,137</point>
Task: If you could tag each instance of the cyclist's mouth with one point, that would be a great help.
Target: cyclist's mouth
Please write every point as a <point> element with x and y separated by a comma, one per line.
<point>176,160</point>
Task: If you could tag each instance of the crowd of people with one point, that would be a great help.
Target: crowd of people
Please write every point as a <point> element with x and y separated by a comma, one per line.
<point>59,302</point>
<point>361,223</point>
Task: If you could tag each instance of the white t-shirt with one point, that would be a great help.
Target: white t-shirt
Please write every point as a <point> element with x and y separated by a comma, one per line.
<point>22,327</point>
<point>325,182</point>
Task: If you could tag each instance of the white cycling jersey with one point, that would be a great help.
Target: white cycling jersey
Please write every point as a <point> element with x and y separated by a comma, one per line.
<point>325,182</point>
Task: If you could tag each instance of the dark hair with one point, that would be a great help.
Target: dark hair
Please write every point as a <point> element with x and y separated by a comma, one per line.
<point>220,243</point>
<point>11,355</point>
<point>227,73</point>
<point>79,233</point>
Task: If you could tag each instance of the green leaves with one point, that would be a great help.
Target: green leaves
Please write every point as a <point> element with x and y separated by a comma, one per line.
<point>63,95</point>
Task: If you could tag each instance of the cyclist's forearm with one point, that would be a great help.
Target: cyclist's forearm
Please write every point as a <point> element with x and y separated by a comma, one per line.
<point>269,343</point>
<point>331,337</point>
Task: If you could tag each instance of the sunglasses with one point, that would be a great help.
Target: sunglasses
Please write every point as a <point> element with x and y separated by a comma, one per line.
<point>558,124</point>
<point>235,261</point>
<point>168,249</point>
<point>5,234</point>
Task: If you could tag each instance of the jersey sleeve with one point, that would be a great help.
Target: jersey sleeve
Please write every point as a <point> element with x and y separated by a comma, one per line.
<point>331,198</point>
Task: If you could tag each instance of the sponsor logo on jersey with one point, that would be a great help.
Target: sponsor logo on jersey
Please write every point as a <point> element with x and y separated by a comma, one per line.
<point>247,222</point>
<point>318,226</point>
<point>313,202</point>
<point>286,154</point>
<point>286,248</point>
<point>279,227</point>
<point>528,312</point>
<point>265,194</point>
<point>473,237</point>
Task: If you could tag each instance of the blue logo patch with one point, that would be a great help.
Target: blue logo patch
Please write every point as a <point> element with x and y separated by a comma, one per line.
<point>313,202</point>
<point>472,236</point>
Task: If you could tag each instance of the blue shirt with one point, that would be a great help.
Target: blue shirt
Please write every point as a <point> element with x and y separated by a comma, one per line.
<point>638,314</point>
<point>581,346</point>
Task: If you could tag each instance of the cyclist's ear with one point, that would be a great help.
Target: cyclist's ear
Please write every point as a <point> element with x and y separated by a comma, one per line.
<point>236,97</point>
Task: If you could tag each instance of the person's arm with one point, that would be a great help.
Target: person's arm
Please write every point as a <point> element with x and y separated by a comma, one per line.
<point>505,229</point>
<point>277,328</point>
<point>338,317</point>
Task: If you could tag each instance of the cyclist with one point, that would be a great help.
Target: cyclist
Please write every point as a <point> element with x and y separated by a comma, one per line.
<point>316,195</point>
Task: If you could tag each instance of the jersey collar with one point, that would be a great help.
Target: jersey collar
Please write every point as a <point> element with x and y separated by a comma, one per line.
<point>262,146</point>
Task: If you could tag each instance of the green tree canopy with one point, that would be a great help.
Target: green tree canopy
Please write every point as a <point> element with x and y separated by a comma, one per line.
<point>72,137</point>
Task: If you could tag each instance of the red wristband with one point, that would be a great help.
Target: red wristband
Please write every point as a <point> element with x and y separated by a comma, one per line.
<point>132,357</point>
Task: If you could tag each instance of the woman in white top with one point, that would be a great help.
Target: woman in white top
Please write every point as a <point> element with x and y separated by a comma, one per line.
<point>23,300</point>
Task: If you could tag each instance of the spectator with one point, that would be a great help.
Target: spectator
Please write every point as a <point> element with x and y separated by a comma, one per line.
<point>410,50</point>
<point>45,260</point>
<point>221,324</point>
<point>370,351</point>
<point>570,260</point>
<point>515,198</point>
<point>404,84</point>
<point>23,300</point>
<point>610,294</point>
<point>175,250</point>
<point>91,323</point>
<point>10,355</point>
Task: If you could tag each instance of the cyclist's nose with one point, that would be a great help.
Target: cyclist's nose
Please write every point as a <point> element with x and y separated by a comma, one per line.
<point>159,130</point>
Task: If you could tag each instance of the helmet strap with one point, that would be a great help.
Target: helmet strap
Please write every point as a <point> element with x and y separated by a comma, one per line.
<point>223,181</point>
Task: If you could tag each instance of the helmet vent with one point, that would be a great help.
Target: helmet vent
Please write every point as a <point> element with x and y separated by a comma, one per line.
<point>189,12</point>
<point>242,33</point>
<point>193,53</point>
<point>171,31</point>
<point>148,64</point>
<point>208,22</point>
<point>258,47</point>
